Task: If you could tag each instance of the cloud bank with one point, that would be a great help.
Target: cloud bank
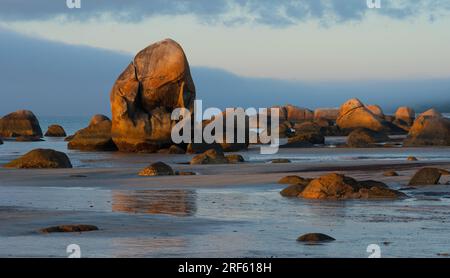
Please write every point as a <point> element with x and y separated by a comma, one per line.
<point>265,12</point>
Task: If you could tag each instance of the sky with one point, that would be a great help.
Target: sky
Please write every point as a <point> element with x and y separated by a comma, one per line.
<point>259,52</point>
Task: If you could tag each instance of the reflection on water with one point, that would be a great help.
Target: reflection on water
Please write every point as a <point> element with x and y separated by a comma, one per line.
<point>173,202</point>
<point>124,247</point>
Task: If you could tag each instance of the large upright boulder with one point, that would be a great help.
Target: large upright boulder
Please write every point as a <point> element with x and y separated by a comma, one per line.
<point>429,129</point>
<point>353,114</point>
<point>20,123</point>
<point>145,94</point>
<point>95,137</point>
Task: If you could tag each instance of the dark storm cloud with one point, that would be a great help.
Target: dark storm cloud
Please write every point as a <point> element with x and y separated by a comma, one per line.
<point>265,12</point>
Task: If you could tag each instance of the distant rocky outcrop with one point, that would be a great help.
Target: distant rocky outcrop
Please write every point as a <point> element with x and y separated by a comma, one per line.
<point>145,94</point>
<point>95,137</point>
<point>364,138</point>
<point>20,123</point>
<point>41,158</point>
<point>55,131</point>
<point>330,114</point>
<point>429,129</point>
<point>353,114</point>
<point>339,187</point>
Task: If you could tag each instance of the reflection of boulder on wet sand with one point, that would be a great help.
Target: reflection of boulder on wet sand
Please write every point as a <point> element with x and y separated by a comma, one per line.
<point>173,202</point>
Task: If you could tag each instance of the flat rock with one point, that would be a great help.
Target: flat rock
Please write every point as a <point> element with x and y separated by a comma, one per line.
<point>315,238</point>
<point>69,229</point>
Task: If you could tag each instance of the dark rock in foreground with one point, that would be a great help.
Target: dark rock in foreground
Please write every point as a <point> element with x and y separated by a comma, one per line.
<point>1,141</point>
<point>426,176</point>
<point>55,131</point>
<point>69,229</point>
<point>339,187</point>
<point>95,137</point>
<point>20,123</point>
<point>157,169</point>
<point>41,158</point>
<point>315,238</point>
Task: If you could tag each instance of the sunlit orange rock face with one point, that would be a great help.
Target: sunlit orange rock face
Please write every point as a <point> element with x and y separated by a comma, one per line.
<point>143,97</point>
<point>429,129</point>
<point>353,114</point>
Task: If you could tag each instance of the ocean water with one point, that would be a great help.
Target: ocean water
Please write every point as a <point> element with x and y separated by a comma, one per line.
<point>11,150</point>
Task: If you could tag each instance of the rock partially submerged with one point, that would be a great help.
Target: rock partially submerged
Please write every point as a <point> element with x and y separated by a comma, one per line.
<point>315,238</point>
<point>293,190</point>
<point>69,229</point>
<point>41,158</point>
<point>363,138</point>
<point>20,123</point>
<point>427,176</point>
<point>145,94</point>
<point>306,139</point>
<point>55,131</point>
<point>157,169</point>
<point>95,137</point>
<point>339,187</point>
<point>280,160</point>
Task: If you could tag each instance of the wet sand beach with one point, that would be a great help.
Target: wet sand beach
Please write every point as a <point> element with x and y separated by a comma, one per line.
<point>225,210</point>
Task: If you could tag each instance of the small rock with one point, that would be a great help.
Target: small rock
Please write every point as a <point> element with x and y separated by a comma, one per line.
<point>426,176</point>
<point>363,138</point>
<point>235,158</point>
<point>41,158</point>
<point>211,156</point>
<point>186,173</point>
<point>281,160</point>
<point>412,158</point>
<point>315,238</point>
<point>390,174</point>
<point>69,229</point>
<point>55,131</point>
<point>157,169</point>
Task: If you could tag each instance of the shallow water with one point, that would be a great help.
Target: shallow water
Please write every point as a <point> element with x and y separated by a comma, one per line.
<point>242,222</point>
